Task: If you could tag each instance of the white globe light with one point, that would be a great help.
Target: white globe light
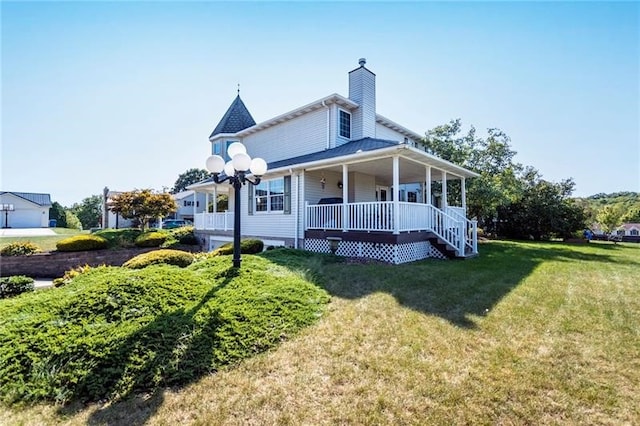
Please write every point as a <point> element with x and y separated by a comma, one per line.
<point>215,164</point>
<point>236,148</point>
<point>241,162</point>
<point>229,169</point>
<point>258,166</point>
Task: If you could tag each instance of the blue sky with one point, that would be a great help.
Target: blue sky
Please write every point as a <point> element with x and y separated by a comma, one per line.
<point>125,95</point>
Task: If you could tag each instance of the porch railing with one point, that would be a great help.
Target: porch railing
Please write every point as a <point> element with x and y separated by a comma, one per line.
<point>214,221</point>
<point>452,227</point>
<point>470,228</point>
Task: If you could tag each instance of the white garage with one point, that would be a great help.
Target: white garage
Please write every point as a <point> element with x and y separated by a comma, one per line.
<point>24,210</point>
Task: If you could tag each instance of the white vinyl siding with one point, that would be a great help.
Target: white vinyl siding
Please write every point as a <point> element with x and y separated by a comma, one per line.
<point>302,135</point>
<point>25,214</point>
<point>268,226</point>
<point>383,132</point>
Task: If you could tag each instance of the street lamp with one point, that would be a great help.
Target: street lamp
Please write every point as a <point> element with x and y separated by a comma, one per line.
<point>6,208</point>
<point>236,172</point>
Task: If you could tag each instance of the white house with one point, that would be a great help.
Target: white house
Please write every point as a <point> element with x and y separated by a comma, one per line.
<point>337,169</point>
<point>189,204</point>
<point>629,230</point>
<point>111,219</point>
<point>24,210</point>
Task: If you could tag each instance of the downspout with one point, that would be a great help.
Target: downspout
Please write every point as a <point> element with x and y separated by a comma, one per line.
<point>296,209</point>
<point>328,123</point>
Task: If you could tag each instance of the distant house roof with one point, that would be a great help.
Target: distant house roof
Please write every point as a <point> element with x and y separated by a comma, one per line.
<point>182,194</point>
<point>39,199</point>
<point>235,119</point>
<point>630,226</point>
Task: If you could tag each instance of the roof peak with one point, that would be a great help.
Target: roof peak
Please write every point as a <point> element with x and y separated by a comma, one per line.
<point>235,119</point>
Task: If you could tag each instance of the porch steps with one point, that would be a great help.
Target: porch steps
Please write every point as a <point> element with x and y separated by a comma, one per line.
<point>448,250</point>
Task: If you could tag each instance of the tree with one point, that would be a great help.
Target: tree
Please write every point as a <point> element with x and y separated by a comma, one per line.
<point>543,210</point>
<point>187,178</point>
<point>492,158</point>
<point>89,211</point>
<point>72,220</point>
<point>142,205</point>
<point>57,213</point>
<point>609,217</point>
<point>631,216</point>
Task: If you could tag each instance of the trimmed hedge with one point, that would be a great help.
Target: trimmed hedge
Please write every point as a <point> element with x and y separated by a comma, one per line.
<point>15,285</point>
<point>82,243</point>
<point>20,249</point>
<point>151,239</point>
<point>249,246</point>
<point>160,257</point>
<point>114,332</point>
<point>124,237</point>
<point>185,235</point>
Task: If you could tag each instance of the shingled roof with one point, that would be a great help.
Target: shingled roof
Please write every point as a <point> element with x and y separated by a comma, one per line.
<point>235,119</point>
<point>39,199</point>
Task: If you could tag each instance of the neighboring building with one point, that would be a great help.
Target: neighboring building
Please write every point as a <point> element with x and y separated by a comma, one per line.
<point>109,218</point>
<point>189,204</point>
<point>24,209</point>
<point>338,169</point>
<point>629,232</point>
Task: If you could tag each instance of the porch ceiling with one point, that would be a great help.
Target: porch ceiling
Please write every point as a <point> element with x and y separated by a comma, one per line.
<point>382,168</point>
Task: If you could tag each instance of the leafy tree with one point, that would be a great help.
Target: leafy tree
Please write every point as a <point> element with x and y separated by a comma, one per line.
<point>492,158</point>
<point>187,178</point>
<point>89,211</point>
<point>631,216</point>
<point>58,213</point>
<point>142,205</point>
<point>543,210</point>
<point>72,220</point>
<point>609,218</point>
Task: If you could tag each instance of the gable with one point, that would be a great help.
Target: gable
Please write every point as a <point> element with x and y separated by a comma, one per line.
<point>43,200</point>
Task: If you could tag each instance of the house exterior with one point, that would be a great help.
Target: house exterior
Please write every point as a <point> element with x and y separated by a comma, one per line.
<point>629,232</point>
<point>24,209</point>
<point>189,204</point>
<point>111,219</point>
<point>338,170</point>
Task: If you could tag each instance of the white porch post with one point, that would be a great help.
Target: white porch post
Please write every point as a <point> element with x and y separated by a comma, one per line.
<point>463,188</point>
<point>215,199</point>
<point>195,201</point>
<point>427,179</point>
<point>206,201</point>
<point>345,197</point>
<point>444,190</point>
<point>396,194</point>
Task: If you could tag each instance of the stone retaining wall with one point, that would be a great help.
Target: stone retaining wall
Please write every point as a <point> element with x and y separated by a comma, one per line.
<point>54,264</point>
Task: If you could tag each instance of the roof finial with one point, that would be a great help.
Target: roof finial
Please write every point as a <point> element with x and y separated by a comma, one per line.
<point>238,89</point>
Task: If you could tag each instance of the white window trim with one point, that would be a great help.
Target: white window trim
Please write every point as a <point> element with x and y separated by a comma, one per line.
<point>268,211</point>
<point>350,124</point>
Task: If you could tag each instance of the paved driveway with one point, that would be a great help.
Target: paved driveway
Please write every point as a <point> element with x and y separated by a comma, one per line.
<point>26,232</point>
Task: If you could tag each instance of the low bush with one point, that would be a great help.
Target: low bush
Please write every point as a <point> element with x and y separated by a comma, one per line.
<point>120,237</point>
<point>72,273</point>
<point>151,239</point>
<point>160,257</point>
<point>82,242</point>
<point>15,285</point>
<point>20,249</point>
<point>185,235</point>
<point>249,246</point>
<point>114,332</point>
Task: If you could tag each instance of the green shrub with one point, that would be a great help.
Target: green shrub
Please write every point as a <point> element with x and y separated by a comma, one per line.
<point>72,273</point>
<point>158,257</point>
<point>151,239</point>
<point>125,237</point>
<point>20,249</point>
<point>17,284</point>
<point>113,332</point>
<point>249,246</point>
<point>82,243</point>
<point>185,235</point>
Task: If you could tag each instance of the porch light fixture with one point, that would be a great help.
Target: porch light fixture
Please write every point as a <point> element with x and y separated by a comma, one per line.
<point>236,172</point>
<point>323,181</point>
<point>340,184</point>
<point>6,208</point>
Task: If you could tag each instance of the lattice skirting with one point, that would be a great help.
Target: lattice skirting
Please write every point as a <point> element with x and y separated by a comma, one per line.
<point>391,253</point>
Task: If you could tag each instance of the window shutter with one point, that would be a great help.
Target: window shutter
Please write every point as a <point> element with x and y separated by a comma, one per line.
<point>287,195</point>
<point>250,200</point>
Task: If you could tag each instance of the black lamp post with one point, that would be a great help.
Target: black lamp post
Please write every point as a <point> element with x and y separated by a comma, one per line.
<point>6,208</point>
<point>236,173</point>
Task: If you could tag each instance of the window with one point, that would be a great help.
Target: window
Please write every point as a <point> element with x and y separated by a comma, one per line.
<point>216,148</point>
<point>186,203</point>
<point>634,232</point>
<point>345,124</point>
<point>269,196</point>
<point>220,148</point>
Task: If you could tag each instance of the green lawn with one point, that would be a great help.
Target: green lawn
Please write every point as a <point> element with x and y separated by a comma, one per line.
<point>527,333</point>
<point>47,243</point>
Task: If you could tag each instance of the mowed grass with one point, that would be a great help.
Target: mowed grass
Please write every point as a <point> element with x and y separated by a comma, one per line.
<point>527,333</point>
<point>46,243</point>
